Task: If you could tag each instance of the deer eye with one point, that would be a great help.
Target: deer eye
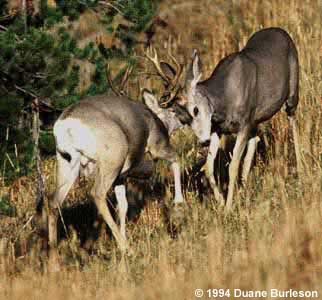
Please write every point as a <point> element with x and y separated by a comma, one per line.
<point>195,111</point>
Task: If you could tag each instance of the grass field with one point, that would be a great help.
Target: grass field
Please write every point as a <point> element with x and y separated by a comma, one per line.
<point>273,238</point>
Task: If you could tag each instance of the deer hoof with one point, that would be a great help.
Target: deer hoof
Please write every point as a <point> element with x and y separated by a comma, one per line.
<point>54,265</point>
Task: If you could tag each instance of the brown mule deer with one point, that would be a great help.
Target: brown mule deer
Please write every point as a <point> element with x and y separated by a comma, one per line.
<point>107,136</point>
<point>246,88</point>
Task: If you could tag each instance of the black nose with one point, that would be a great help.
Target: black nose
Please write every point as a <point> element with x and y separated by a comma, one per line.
<point>205,143</point>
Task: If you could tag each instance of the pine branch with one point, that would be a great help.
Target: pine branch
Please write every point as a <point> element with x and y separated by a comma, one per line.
<point>3,28</point>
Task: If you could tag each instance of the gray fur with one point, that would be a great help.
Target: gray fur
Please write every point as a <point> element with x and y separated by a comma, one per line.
<point>250,86</point>
<point>245,89</point>
<point>107,136</point>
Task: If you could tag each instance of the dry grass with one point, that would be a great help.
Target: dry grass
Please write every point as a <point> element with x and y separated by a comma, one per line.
<point>273,239</point>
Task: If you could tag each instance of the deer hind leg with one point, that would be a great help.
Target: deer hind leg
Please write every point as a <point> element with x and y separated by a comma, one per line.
<point>68,166</point>
<point>293,124</point>
<point>251,149</point>
<point>234,164</point>
<point>108,169</point>
<point>291,106</point>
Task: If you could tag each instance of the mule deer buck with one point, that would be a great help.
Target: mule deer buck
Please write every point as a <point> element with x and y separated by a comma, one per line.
<point>246,88</point>
<point>108,136</point>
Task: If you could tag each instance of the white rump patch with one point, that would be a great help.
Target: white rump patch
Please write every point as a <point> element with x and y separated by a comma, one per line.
<point>72,135</point>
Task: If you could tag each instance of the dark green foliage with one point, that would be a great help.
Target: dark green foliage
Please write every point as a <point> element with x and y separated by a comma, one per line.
<point>139,12</point>
<point>32,62</point>
<point>47,143</point>
<point>61,102</point>
<point>40,58</point>
<point>3,4</point>
<point>6,208</point>
<point>70,8</point>
<point>16,152</point>
<point>10,108</point>
<point>86,52</point>
<point>73,8</point>
<point>48,15</point>
<point>99,84</point>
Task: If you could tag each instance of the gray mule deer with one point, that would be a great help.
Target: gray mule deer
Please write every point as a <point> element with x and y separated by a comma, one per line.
<point>245,89</point>
<point>107,136</point>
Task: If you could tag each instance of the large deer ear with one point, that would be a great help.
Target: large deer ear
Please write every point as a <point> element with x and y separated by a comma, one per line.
<point>151,101</point>
<point>194,71</point>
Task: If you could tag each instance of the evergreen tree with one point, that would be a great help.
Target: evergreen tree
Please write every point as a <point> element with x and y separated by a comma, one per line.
<point>37,61</point>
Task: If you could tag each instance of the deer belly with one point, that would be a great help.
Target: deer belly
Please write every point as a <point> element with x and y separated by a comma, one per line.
<point>267,110</point>
<point>271,97</point>
<point>134,157</point>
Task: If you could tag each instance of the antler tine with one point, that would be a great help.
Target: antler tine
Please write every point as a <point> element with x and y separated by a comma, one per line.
<point>126,77</point>
<point>172,87</point>
<point>110,81</point>
<point>152,55</point>
<point>178,69</point>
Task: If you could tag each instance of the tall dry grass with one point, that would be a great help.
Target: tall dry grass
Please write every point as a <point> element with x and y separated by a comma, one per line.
<point>273,239</point>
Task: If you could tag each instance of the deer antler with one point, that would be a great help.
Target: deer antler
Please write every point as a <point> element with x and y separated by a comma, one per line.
<point>178,68</point>
<point>171,85</point>
<point>152,55</point>
<point>125,78</point>
<point>110,81</point>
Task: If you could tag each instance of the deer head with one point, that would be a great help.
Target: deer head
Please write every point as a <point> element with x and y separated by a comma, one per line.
<point>195,101</point>
<point>188,102</point>
<point>168,107</point>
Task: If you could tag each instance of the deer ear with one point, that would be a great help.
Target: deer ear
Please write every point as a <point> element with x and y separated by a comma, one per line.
<point>151,101</point>
<point>196,65</point>
<point>194,72</point>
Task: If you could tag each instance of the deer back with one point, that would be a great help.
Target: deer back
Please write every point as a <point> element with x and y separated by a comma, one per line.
<point>101,120</point>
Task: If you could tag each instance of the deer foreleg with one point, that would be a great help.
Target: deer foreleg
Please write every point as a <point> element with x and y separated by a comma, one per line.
<point>178,197</point>
<point>251,148</point>
<point>234,165</point>
<point>212,153</point>
<point>120,194</point>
